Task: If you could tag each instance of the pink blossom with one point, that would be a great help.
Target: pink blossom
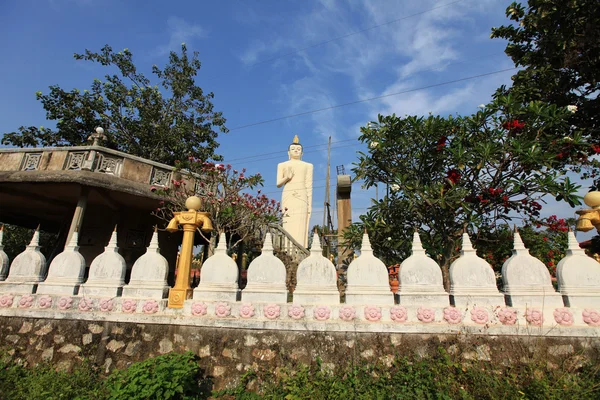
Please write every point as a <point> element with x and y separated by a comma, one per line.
<point>398,313</point>
<point>372,313</point>
<point>563,316</point>
<point>85,304</point>
<point>479,315</point>
<point>222,310</point>
<point>321,313</point>
<point>296,312</point>
<point>507,316</point>
<point>129,306</point>
<point>150,307</point>
<point>106,305</point>
<point>45,302</point>
<point>65,303</point>
<point>426,314</point>
<point>452,315</point>
<point>246,310</point>
<point>591,317</point>
<point>6,300</point>
<point>347,313</point>
<point>26,301</point>
<point>534,316</point>
<point>272,311</point>
<point>199,309</point>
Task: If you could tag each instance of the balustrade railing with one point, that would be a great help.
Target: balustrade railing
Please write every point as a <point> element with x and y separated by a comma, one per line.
<point>284,242</point>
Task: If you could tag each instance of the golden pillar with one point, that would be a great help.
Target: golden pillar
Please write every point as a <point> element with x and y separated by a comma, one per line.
<point>189,220</point>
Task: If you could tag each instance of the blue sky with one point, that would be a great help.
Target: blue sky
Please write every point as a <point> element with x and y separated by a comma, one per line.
<point>266,59</point>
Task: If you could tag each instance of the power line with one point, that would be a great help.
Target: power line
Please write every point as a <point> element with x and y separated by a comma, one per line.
<point>372,98</point>
<point>345,36</point>
<point>313,151</point>
<point>485,56</point>
<point>285,151</point>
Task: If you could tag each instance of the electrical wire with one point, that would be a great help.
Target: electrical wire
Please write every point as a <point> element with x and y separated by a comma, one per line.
<point>371,99</point>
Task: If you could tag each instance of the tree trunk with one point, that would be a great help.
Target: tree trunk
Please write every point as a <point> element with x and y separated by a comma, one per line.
<point>446,276</point>
<point>212,245</point>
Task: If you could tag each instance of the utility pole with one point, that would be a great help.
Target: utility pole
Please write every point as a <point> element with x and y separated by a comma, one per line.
<point>327,199</point>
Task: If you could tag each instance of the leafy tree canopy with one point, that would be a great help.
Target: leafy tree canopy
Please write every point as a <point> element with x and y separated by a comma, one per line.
<point>445,174</point>
<point>556,44</point>
<point>164,122</point>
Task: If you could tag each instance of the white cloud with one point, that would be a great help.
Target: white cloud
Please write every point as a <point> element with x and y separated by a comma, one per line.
<point>259,51</point>
<point>180,31</point>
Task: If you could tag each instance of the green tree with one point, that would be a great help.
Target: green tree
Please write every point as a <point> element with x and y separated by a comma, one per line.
<point>556,45</point>
<point>165,122</point>
<point>17,238</point>
<point>448,174</point>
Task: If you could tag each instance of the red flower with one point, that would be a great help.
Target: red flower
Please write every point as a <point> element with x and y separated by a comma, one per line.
<point>514,126</point>
<point>453,176</point>
<point>441,143</point>
<point>596,148</point>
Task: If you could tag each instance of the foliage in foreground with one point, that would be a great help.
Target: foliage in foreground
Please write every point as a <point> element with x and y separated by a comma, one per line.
<point>178,376</point>
<point>437,378</point>
<point>170,376</point>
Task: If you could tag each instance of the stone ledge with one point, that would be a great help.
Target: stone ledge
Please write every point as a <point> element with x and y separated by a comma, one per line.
<point>156,313</point>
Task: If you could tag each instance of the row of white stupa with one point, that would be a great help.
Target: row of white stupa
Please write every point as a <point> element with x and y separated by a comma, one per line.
<point>527,282</point>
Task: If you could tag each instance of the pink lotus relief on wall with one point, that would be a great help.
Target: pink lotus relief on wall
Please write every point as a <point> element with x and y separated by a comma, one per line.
<point>479,315</point>
<point>65,303</point>
<point>199,309</point>
<point>150,307</point>
<point>129,306</point>
<point>45,302</point>
<point>534,316</point>
<point>321,313</point>
<point>426,314</point>
<point>26,301</point>
<point>347,313</point>
<point>222,310</point>
<point>398,314</point>
<point>452,315</point>
<point>106,305</point>
<point>6,300</point>
<point>296,312</point>
<point>372,313</point>
<point>272,311</point>
<point>85,304</point>
<point>563,316</point>
<point>247,310</point>
<point>507,316</point>
<point>591,317</point>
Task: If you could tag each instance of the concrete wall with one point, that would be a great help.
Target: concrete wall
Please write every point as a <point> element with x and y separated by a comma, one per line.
<point>226,353</point>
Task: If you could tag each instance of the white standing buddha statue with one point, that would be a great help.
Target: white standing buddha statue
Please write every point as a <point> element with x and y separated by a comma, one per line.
<point>296,177</point>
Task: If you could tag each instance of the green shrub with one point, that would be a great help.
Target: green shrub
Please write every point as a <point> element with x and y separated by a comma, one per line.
<point>178,376</point>
<point>170,376</point>
<point>44,382</point>
<point>440,377</point>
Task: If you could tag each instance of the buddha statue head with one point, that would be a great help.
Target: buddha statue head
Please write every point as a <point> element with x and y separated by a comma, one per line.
<point>295,150</point>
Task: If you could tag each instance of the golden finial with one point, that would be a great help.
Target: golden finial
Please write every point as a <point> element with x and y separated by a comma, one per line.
<point>296,140</point>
